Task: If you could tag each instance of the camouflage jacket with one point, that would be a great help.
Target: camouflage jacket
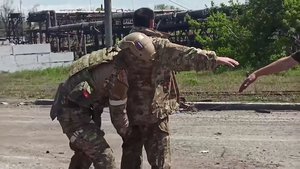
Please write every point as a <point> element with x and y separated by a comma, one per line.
<point>96,80</point>
<point>150,87</point>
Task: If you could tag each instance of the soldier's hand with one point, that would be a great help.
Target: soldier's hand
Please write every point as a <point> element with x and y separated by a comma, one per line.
<point>227,61</point>
<point>250,79</point>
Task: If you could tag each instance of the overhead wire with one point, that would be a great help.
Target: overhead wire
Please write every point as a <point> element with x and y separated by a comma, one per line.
<point>172,1</point>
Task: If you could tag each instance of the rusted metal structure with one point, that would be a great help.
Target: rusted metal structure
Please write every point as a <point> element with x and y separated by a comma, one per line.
<point>83,32</point>
<point>177,25</point>
<point>15,31</point>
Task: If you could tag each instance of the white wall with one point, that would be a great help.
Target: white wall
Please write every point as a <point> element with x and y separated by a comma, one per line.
<point>31,57</point>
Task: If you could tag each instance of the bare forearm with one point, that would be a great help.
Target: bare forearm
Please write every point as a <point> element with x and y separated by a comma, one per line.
<point>282,64</point>
<point>277,66</point>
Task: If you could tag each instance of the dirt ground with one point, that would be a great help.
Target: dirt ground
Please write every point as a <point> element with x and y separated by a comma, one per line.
<point>201,140</point>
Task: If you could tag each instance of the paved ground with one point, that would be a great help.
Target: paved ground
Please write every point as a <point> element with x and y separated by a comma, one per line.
<point>208,140</point>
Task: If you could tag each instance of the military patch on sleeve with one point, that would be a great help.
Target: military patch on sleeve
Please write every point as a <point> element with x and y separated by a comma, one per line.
<point>118,90</point>
<point>122,77</point>
<point>139,45</point>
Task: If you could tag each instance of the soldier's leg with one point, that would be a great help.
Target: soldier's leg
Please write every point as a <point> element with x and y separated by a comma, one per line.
<point>90,140</point>
<point>132,150</point>
<point>157,145</point>
<point>79,160</point>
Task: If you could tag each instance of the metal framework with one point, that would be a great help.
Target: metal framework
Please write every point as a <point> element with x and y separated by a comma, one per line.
<point>83,32</point>
<point>15,31</point>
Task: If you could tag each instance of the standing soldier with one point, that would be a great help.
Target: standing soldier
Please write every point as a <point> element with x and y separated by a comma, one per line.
<point>96,81</point>
<point>149,59</point>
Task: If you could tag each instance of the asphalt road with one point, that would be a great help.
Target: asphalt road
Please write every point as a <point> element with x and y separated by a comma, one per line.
<point>206,139</point>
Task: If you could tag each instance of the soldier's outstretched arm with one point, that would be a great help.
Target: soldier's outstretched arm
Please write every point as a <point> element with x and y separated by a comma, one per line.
<point>183,58</point>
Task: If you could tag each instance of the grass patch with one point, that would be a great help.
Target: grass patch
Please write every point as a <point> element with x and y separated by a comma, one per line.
<point>224,86</point>
<point>32,84</point>
<point>210,86</point>
<point>230,81</point>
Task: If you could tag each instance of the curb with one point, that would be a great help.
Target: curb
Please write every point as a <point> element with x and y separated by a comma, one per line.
<point>257,106</point>
<point>244,106</point>
<point>221,105</point>
<point>44,102</point>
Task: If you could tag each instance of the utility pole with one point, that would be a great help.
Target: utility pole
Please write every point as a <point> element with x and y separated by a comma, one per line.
<point>20,6</point>
<point>108,23</point>
<point>90,6</point>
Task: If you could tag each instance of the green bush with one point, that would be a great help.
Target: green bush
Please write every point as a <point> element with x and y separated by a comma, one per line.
<point>254,34</point>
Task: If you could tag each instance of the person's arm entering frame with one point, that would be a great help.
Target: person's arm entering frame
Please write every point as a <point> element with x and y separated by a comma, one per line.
<point>280,65</point>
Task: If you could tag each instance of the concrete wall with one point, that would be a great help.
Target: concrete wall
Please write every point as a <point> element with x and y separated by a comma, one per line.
<point>31,57</point>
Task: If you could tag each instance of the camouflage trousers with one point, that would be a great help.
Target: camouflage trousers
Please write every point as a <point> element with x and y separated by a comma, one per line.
<point>156,140</point>
<point>87,141</point>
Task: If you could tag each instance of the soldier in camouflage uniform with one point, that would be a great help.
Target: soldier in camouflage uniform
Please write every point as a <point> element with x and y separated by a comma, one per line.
<point>150,94</point>
<point>96,80</point>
